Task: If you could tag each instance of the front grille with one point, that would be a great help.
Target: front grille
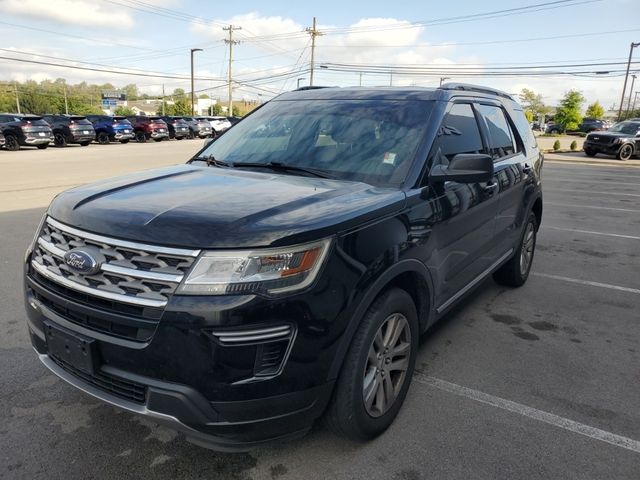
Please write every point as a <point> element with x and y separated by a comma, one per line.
<point>117,386</point>
<point>601,140</point>
<point>131,274</point>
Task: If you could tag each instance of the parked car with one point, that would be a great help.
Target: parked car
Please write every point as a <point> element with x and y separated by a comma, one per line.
<point>553,127</point>
<point>70,129</point>
<point>621,140</point>
<point>234,120</point>
<point>111,129</point>
<point>592,124</point>
<point>146,127</point>
<point>218,124</point>
<point>198,127</point>
<point>276,278</point>
<point>25,130</point>
<point>178,128</point>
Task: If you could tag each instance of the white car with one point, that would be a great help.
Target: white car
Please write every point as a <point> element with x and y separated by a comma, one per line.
<point>219,124</point>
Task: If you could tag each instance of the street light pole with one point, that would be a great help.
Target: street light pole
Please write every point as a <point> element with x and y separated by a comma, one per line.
<point>192,87</point>
<point>633,109</point>
<point>442,79</point>
<point>626,78</point>
<point>301,78</point>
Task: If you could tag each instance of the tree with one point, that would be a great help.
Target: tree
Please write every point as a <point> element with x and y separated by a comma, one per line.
<point>568,115</point>
<point>532,102</point>
<point>215,109</point>
<point>123,111</point>
<point>180,107</point>
<point>595,110</point>
<point>178,92</point>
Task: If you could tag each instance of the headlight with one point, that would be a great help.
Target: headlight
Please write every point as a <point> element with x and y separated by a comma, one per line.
<point>616,141</point>
<point>267,271</point>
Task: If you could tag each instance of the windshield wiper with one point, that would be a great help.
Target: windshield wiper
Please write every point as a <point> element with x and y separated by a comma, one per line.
<point>211,160</point>
<point>279,166</point>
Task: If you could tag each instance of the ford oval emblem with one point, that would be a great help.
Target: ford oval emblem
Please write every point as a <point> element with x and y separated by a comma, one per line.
<point>81,261</point>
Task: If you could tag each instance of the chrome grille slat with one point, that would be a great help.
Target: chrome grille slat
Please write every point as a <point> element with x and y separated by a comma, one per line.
<point>137,274</point>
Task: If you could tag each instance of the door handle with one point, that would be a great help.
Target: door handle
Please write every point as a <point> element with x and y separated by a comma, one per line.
<point>490,188</point>
<point>527,169</point>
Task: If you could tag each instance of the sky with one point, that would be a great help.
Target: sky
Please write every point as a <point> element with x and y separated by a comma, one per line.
<point>370,43</point>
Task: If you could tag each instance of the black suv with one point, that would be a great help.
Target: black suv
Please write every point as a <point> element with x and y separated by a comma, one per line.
<point>287,270</point>
<point>70,129</point>
<point>621,140</point>
<point>24,130</point>
<point>178,127</point>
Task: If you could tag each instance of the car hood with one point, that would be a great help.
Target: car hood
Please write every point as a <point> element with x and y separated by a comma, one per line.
<point>608,134</point>
<point>208,207</point>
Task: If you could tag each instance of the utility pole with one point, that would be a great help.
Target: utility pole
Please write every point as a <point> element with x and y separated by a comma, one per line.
<point>163,101</point>
<point>66,103</point>
<point>626,78</point>
<point>15,88</point>
<point>633,81</point>
<point>313,31</point>
<point>391,78</point>
<point>231,42</point>
<point>192,87</point>
<point>633,109</point>
<point>360,84</point>
<point>442,79</point>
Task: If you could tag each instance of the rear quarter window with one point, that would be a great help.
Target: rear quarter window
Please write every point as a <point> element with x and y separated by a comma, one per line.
<point>524,129</point>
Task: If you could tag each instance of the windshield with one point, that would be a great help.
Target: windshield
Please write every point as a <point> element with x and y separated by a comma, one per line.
<point>626,127</point>
<point>371,141</point>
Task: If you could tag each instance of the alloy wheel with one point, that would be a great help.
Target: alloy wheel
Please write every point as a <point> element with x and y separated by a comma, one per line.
<point>625,152</point>
<point>526,252</point>
<point>387,364</point>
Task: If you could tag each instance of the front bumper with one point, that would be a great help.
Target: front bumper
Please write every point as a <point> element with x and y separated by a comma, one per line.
<point>605,148</point>
<point>189,382</point>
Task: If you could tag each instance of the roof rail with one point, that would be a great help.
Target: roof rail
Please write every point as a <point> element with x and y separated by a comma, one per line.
<point>309,87</point>
<point>475,88</point>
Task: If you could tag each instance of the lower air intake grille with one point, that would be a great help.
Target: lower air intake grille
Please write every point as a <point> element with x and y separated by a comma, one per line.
<point>119,387</point>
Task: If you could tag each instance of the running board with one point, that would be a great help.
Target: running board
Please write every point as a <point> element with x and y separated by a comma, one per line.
<point>473,282</point>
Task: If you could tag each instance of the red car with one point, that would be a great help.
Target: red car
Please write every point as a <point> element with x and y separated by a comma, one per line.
<point>146,127</point>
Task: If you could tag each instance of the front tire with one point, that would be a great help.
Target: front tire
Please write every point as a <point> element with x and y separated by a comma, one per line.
<point>103,138</point>
<point>515,272</point>
<point>625,152</point>
<point>124,141</point>
<point>59,140</point>
<point>84,144</point>
<point>141,137</point>
<point>42,147</point>
<point>377,370</point>
<point>590,153</point>
<point>11,143</point>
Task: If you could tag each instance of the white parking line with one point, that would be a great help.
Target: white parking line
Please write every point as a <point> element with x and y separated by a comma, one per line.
<point>591,206</point>
<point>589,192</point>
<point>587,282</point>
<point>589,232</point>
<point>573,180</point>
<point>534,413</point>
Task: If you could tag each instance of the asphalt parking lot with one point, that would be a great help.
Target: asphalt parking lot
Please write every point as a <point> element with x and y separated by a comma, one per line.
<point>535,383</point>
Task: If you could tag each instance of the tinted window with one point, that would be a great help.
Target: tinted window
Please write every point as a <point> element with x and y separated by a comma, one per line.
<point>361,140</point>
<point>458,133</point>
<point>500,137</point>
<point>524,129</point>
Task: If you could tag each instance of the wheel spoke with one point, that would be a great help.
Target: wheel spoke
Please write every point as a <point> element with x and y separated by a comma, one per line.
<point>389,393</point>
<point>402,364</point>
<point>371,393</point>
<point>397,331</point>
<point>391,325</point>
<point>401,349</point>
<point>380,399</point>
<point>372,358</point>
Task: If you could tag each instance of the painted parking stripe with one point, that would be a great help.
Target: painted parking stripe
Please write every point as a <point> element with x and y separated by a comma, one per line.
<point>549,178</point>
<point>590,192</point>
<point>530,412</point>
<point>590,232</point>
<point>570,205</point>
<point>587,282</point>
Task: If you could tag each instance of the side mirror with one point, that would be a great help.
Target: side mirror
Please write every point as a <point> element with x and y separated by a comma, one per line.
<point>464,168</point>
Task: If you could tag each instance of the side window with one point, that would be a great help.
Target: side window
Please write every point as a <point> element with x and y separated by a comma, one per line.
<point>502,143</point>
<point>458,133</point>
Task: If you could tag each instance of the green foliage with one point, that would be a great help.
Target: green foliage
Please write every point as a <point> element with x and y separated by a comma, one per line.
<point>573,146</point>
<point>556,145</point>
<point>180,107</point>
<point>236,111</point>
<point>595,110</point>
<point>215,109</point>
<point>529,115</point>
<point>124,111</point>
<point>568,115</point>
<point>178,92</point>
<point>533,104</point>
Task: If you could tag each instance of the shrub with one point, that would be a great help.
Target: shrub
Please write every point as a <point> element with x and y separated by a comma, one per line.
<point>556,145</point>
<point>573,146</point>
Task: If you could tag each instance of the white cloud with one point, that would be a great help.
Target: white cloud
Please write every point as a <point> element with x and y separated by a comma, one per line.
<point>70,12</point>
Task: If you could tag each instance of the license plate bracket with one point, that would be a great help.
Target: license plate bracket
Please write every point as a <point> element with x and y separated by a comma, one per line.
<point>71,348</point>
